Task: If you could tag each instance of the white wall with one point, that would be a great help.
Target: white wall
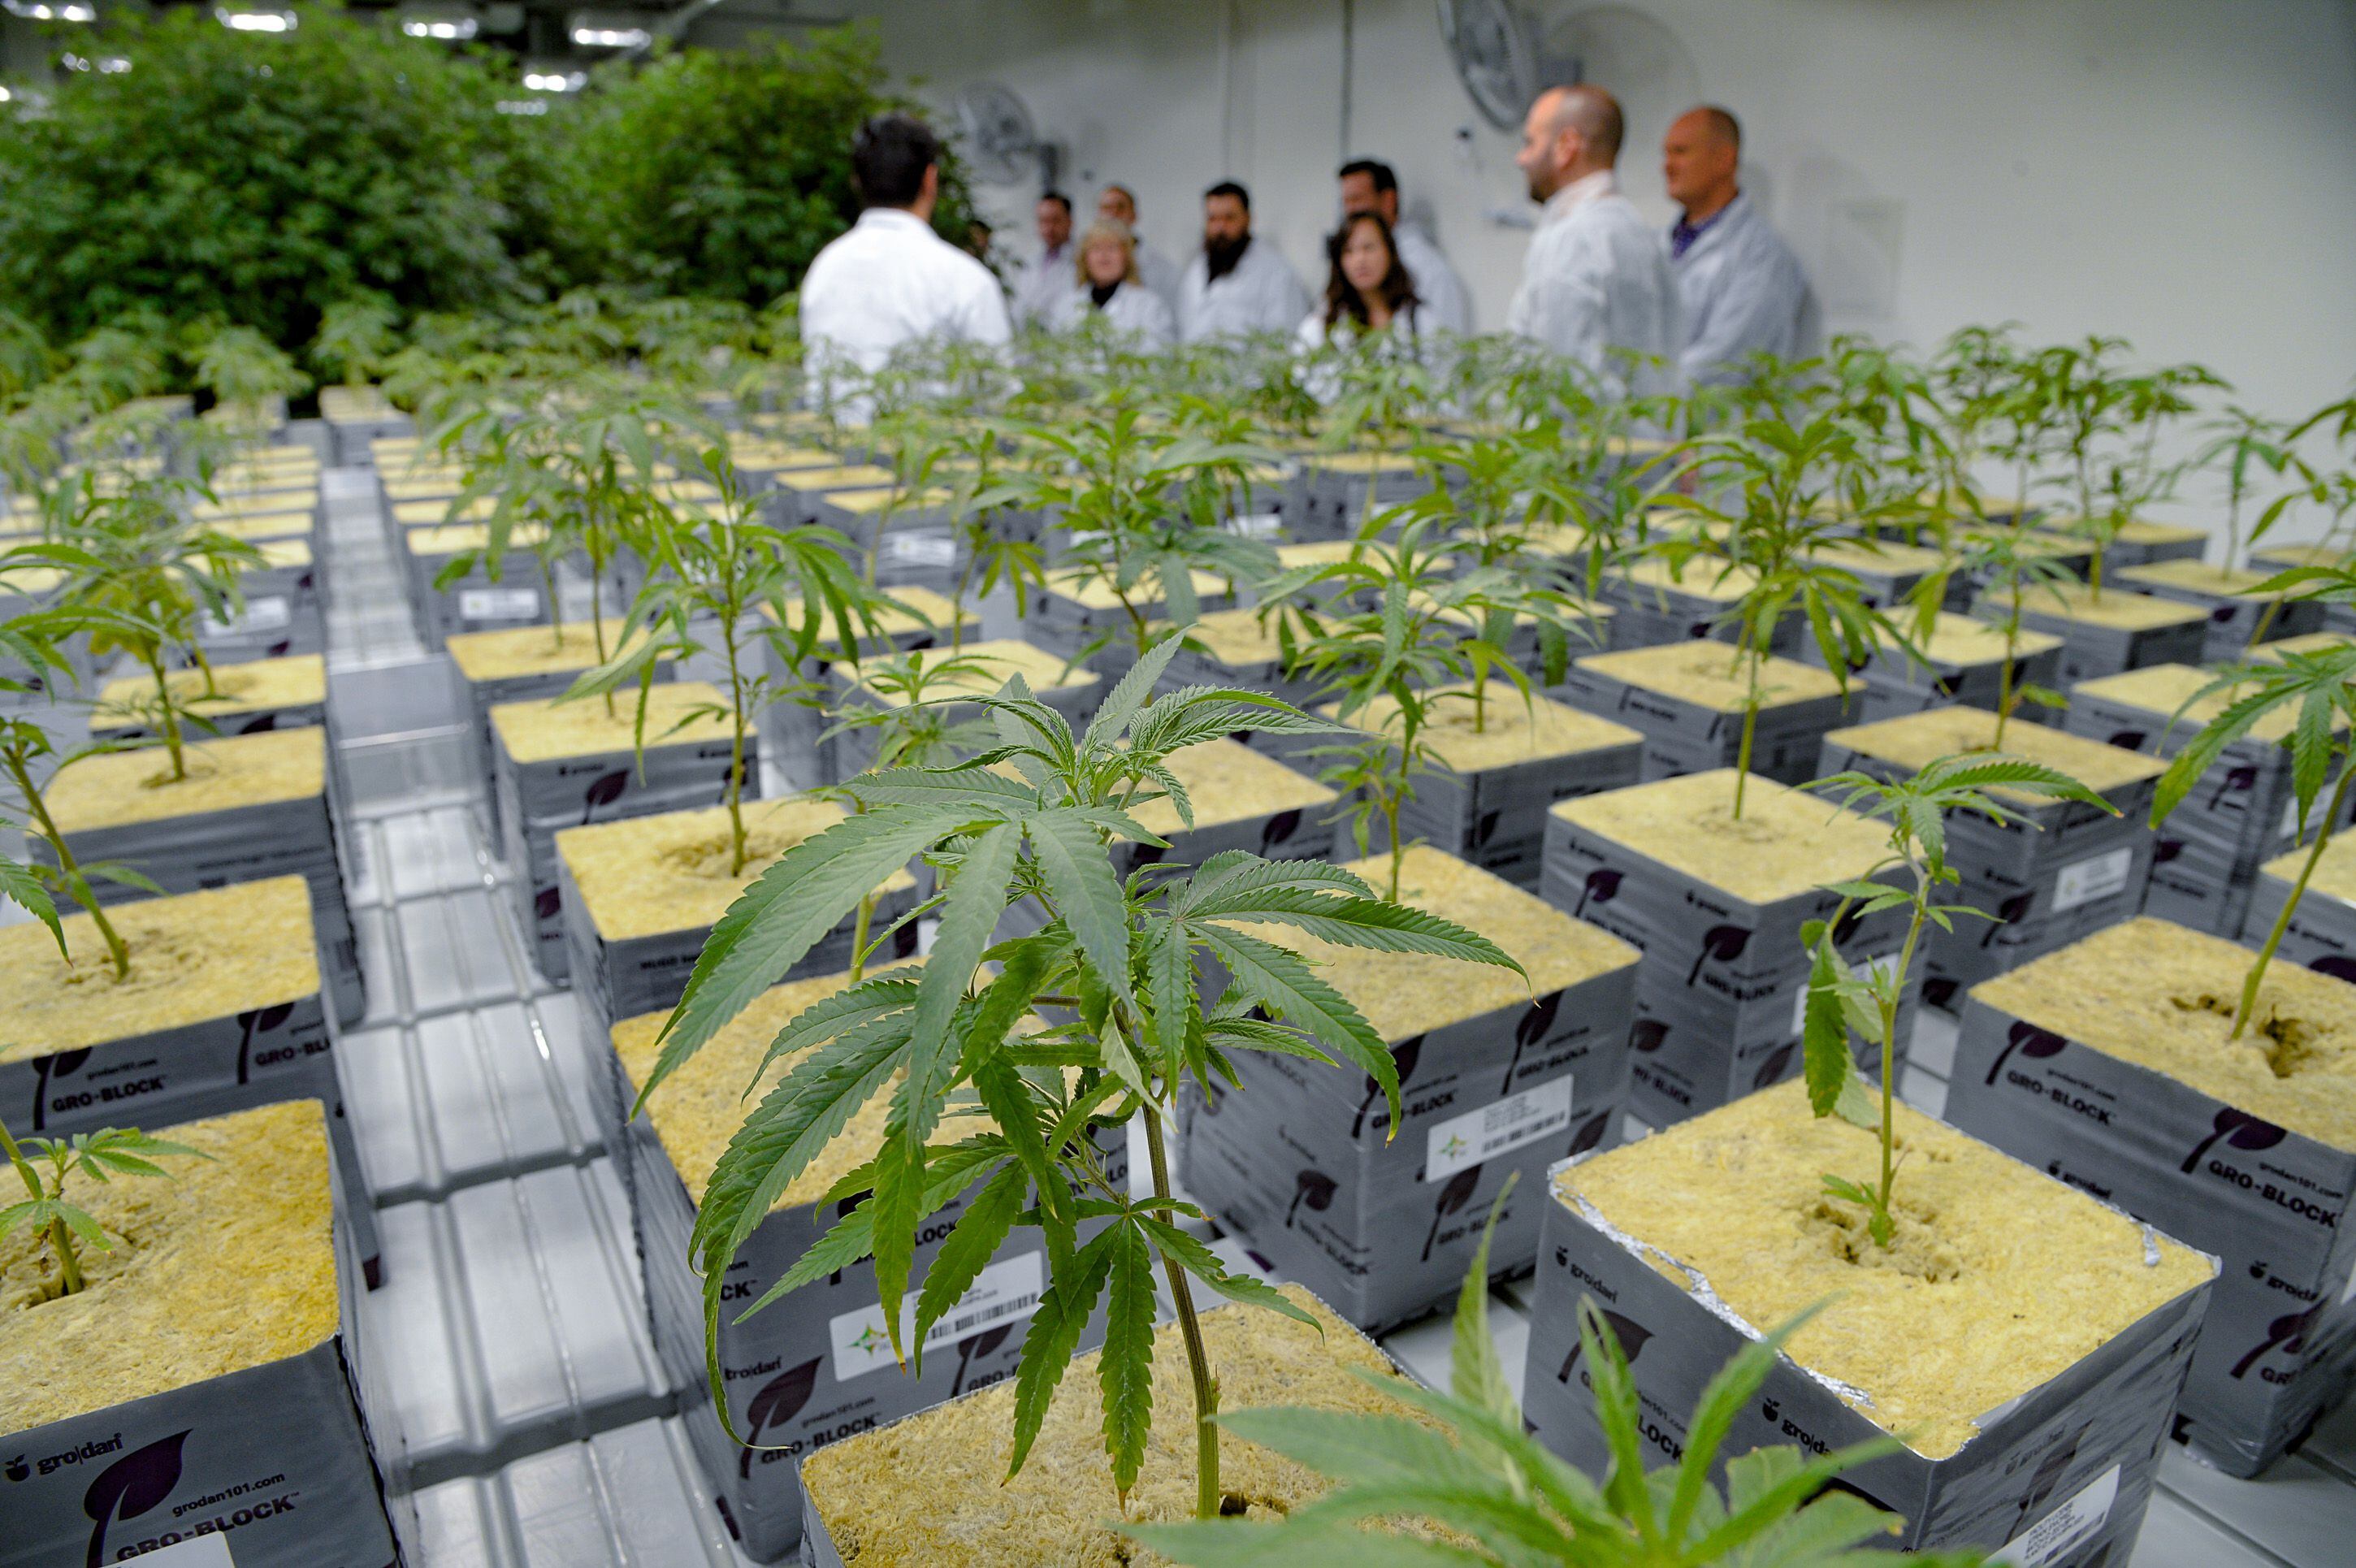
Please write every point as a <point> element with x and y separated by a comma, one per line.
<point>2179,172</point>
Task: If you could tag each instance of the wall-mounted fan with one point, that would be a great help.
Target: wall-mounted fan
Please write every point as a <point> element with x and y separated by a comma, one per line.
<point>1496,55</point>
<point>1000,143</point>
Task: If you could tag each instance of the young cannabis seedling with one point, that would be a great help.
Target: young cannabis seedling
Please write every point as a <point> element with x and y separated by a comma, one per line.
<point>1111,982</point>
<point>2014,564</point>
<point>1472,1468</point>
<point>1841,999</point>
<point>356,338</point>
<point>99,1156</point>
<point>2315,687</point>
<point>985,490</point>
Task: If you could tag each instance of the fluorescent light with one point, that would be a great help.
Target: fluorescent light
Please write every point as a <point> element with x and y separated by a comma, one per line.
<point>53,10</point>
<point>611,38</point>
<point>255,21</point>
<point>553,79</point>
<point>449,32</point>
<point>113,65</point>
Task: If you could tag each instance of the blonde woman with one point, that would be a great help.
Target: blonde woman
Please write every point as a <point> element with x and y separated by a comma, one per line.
<point>1110,287</point>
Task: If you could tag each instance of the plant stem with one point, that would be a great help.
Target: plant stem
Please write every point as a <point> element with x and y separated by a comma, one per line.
<point>1890,1043</point>
<point>2282,921</point>
<point>859,938</point>
<point>735,753</point>
<point>555,609</point>
<point>1207,1496</point>
<point>172,741</point>
<point>69,1280</point>
<point>2005,696</point>
<point>76,883</point>
<point>1749,729</point>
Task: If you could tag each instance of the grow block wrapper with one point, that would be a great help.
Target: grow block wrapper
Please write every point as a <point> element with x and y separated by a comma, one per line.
<point>252,807</point>
<point>1078,606</point>
<point>266,694</point>
<point>567,765</point>
<point>2108,1064</point>
<point>2240,813</point>
<point>933,1490</point>
<point>523,664</point>
<point>816,1366</point>
<point>1332,492</point>
<point>2120,630</point>
<point>2032,1383</point>
<point>2323,930</point>
<point>1887,571</point>
<point>1072,692</point>
<point>202,1384</point>
<point>1686,698</point>
<point>790,731</point>
<point>284,610</point>
<point>918,546</point>
<point>2234,611</point>
<point>478,601</point>
<point>1242,800</point>
<point>1962,663</point>
<point>640,896</point>
<point>221,1012</point>
<point>1486,802</point>
<point>1492,1083</point>
<point>1716,907</point>
<point>2140,543</point>
<point>2057,872</point>
<point>1657,602</point>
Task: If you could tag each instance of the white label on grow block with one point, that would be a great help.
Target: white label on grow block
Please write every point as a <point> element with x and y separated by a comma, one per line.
<point>197,1551</point>
<point>1497,1129</point>
<point>271,614</point>
<point>922,549</point>
<point>2096,877</point>
<point>1006,1291</point>
<point>498,604</point>
<point>1258,526</point>
<point>2050,1538</point>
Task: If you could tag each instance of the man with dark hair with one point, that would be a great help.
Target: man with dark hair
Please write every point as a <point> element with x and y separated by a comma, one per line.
<point>1369,186</point>
<point>1596,285</point>
<point>1743,290</point>
<point>891,280</point>
<point>1236,284</point>
<point>1039,298</point>
<point>1156,271</point>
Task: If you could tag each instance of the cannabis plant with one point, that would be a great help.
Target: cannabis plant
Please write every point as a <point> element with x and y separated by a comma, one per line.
<point>99,1156</point>
<point>1973,375</point>
<point>717,568</point>
<point>2107,425</point>
<point>2315,690</point>
<point>1841,1000</point>
<point>985,491</point>
<point>356,338</point>
<point>1110,982</point>
<point>2013,564</point>
<point>244,370</point>
<point>1471,1468</point>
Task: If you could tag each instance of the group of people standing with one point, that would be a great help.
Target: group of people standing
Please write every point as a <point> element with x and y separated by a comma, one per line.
<point>1599,282</point>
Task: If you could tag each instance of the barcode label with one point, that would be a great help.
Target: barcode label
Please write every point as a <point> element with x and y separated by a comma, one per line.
<point>197,1551</point>
<point>271,614</point>
<point>1258,526</point>
<point>1004,1292</point>
<point>1500,1127</point>
<point>498,604</point>
<point>2050,1538</point>
<point>2098,876</point>
<point>922,549</point>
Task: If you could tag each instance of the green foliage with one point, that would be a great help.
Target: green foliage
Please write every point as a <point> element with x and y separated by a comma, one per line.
<point>357,336</point>
<point>1463,1462</point>
<point>99,1156</point>
<point>1037,1044</point>
<point>1841,1001</point>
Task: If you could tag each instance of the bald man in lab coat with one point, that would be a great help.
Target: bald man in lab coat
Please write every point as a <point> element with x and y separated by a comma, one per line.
<point>1596,284</point>
<point>1742,289</point>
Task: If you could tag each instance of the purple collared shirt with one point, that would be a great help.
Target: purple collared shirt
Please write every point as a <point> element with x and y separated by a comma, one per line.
<point>1683,235</point>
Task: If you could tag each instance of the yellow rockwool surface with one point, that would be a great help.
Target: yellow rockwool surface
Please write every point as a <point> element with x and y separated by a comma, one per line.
<point>291,681</point>
<point>841,477</point>
<point>1236,638</point>
<point>2335,873</point>
<point>1092,591</point>
<point>128,786</point>
<point>1511,731</point>
<point>1703,577</point>
<point>528,649</point>
<point>931,1491</point>
<point>545,731</point>
<point>1911,740</point>
<point>1226,782</point>
<point>2311,554</point>
<point>999,661</point>
<point>647,875</point>
<point>1965,640</point>
<point>1878,557</point>
<point>230,1263</point>
<point>1787,841</point>
<point>2000,1279</point>
<point>419,516</point>
<point>2311,642</point>
<point>1707,674</point>
<point>2120,609</point>
<point>452,538</point>
<point>194,957</point>
<point>2199,576</point>
<point>1408,993</point>
<point>2164,690</point>
<point>913,609</point>
<point>2155,994</point>
<point>863,503</point>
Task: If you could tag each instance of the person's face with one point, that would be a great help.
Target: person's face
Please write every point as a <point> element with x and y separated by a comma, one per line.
<point>1054,225</point>
<point>1359,195</point>
<point>1546,152</point>
<point>1364,261</point>
<point>1225,220</point>
<point>1117,206</point>
<point>1107,261</point>
<point>1695,160</point>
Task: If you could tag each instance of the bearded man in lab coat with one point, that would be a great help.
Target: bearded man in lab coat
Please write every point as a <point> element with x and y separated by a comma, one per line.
<point>1160,273</point>
<point>1742,288</point>
<point>1368,185</point>
<point>1596,283</point>
<point>1238,284</point>
<point>891,280</point>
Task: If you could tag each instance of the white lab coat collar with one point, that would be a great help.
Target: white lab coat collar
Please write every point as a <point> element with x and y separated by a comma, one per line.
<point>1726,220</point>
<point>891,218</point>
<point>1587,188</point>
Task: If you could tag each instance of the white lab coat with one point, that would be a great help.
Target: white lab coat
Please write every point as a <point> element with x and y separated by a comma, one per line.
<point>1134,311</point>
<point>1596,278</point>
<point>1410,334</point>
<point>888,282</point>
<point>1160,275</point>
<point>1743,293</point>
<point>1263,294</point>
<point>1041,289</point>
<point>1436,282</point>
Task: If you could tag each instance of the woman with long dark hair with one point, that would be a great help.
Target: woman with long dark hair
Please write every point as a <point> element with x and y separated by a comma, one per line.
<point>1367,288</point>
